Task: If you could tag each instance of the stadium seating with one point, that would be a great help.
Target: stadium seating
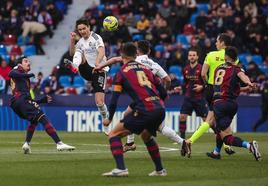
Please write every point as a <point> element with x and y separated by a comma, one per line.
<point>78,82</point>
<point>114,69</point>
<point>16,50</point>
<point>65,81</point>
<point>23,41</point>
<point>3,50</point>
<point>61,5</point>
<point>29,50</point>
<point>10,40</point>
<point>243,59</point>
<point>257,59</point>
<point>6,58</point>
<point>193,18</point>
<point>182,39</point>
<point>202,7</point>
<point>176,70</point>
<point>159,48</point>
<point>137,37</point>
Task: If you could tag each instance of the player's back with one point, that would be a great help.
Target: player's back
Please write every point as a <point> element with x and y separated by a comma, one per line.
<point>192,76</point>
<point>140,83</point>
<point>226,83</point>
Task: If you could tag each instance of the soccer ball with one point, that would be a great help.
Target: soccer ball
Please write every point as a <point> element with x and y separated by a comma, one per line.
<point>110,23</point>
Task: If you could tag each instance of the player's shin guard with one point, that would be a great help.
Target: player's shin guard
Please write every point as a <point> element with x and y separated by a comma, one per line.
<point>200,131</point>
<point>117,152</point>
<point>103,111</point>
<point>30,132</point>
<point>182,128</point>
<point>235,141</point>
<point>51,131</point>
<point>153,150</point>
<point>171,134</point>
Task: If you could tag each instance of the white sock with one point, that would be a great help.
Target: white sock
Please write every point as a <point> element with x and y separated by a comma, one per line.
<point>171,134</point>
<point>130,138</point>
<point>103,111</point>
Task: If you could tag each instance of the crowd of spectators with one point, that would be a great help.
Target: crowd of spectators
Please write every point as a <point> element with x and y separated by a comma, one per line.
<point>25,23</point>
<point>172,26</point>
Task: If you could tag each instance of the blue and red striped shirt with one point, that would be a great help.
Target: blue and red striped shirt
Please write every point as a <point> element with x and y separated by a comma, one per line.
<point>192,76</point>
<point>141,85</point>
<point>226,82</point>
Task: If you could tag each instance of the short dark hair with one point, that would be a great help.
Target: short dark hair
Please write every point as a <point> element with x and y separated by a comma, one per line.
<point>194,49</point>
<point>20,59</point>
<point>224,37</point>
<point>144,46</point>
<point>82,21</point>
<point>231,52</point>
<point>129,50</point>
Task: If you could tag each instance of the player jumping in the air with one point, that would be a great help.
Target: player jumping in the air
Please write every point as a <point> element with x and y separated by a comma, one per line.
<point>89,52</point>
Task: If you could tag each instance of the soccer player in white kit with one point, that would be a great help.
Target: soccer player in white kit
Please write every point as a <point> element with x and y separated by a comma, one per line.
<point>143,52</point>
<point>89,52</point>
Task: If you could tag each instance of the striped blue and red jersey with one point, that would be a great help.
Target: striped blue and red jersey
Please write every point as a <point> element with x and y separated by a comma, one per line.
<point>20,82</point>
<point>192,76</point>
<point>141,85</point>
<point>226,82</point>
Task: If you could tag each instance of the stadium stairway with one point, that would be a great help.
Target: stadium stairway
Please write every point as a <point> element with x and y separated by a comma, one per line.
<point>58,45</point>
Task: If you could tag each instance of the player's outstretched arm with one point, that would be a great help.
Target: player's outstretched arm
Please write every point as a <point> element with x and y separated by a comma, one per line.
<point>72,43</point>
<point>109,62</point>
<point>245,79</point>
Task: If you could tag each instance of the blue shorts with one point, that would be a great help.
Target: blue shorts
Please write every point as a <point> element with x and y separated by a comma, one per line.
<point>224,111</point>
<point>27,109</point>
<point>198,105</point>
<point>137,121</point>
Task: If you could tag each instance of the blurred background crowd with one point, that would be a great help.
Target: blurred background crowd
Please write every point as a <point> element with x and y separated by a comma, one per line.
<point>171,26</point>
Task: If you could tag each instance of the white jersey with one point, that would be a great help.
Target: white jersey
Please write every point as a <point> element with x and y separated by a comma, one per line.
<point>153,66</point>
<point>89,47</point>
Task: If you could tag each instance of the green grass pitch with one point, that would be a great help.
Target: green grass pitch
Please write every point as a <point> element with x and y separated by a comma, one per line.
<point>84,166</point>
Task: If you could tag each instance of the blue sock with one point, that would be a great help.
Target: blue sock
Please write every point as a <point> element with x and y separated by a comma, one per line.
<point>245,144</point>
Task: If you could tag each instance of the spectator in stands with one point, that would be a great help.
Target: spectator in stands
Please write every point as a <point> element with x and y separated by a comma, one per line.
<point>6,10</point>
<point>143,24</point>
<point>164,33</point>
<point>51,86</point>
<point>191,5</point>
<point>178,56</point>
<point>122,31</point>
<point>257,45</point>
<point>45,18</point>
<point>3,25</point>
<point>56,15</point>
<point>201,20</point>
<point>36,86</point>
<point>152,9</point>
<point>14,23</point>
<point>4,71</point>
<point>164,9</point>
<point>34,9</point>
<point>254,72</point>
<point>38,30</point>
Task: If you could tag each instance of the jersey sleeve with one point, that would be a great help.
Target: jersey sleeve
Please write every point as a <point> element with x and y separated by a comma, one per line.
<point>99,42</point>
<point>159,71</point>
